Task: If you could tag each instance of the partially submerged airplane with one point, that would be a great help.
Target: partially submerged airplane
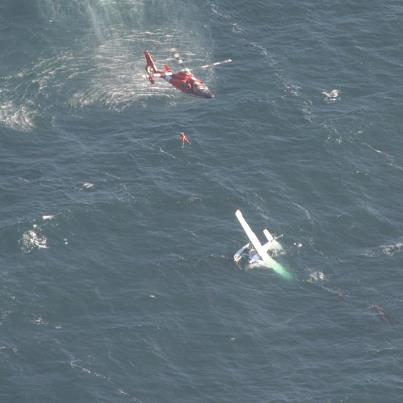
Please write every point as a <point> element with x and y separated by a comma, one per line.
<point>184,80</point>
<point>256,253</point>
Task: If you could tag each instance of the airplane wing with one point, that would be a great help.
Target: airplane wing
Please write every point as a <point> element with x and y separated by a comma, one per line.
<point>254,239</point>
<point>261,249</point>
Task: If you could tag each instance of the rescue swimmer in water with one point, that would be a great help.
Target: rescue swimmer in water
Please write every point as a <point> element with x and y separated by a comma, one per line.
<point>183,80</point>
<point>184,139</point>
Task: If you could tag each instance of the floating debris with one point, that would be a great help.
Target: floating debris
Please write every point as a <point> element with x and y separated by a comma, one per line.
<point>332,95</point>
<point>316,276</point>
<point>87,186</point>
<point>380,312</point>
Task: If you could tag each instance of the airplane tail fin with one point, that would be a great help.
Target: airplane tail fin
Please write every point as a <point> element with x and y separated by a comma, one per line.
<point>272,244</point>
<point>151,68</point>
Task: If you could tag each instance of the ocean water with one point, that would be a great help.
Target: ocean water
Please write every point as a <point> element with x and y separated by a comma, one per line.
<point>116,243</point>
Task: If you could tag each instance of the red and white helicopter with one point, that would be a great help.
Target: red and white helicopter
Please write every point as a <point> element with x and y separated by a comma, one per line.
<point>183,80</point>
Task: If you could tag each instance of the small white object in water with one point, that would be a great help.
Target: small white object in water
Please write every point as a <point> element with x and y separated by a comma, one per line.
<point>331,95</point>
<point>39,321</point>
<point>87,185</point>
<point>316,276</point>
<point>47,217</point>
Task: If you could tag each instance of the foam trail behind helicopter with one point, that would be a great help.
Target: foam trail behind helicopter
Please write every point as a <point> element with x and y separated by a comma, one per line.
<point>95,57</point>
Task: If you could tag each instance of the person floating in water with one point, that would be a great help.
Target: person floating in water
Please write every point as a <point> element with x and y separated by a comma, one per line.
<point>380,312</point>
<point>184,139</point>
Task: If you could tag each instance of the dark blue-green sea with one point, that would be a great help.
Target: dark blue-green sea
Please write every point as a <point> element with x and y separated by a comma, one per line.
<point>117,279</point>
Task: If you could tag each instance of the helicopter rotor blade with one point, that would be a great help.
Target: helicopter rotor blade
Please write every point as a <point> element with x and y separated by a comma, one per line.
<point>206,66</point>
